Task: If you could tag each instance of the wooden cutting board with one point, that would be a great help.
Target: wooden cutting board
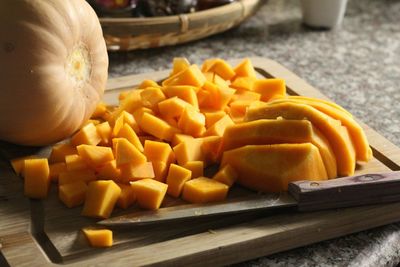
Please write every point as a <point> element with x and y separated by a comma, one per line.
<point>40,233</point>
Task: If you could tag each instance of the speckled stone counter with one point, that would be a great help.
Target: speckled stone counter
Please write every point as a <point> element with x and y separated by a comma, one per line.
<point>357,65</point>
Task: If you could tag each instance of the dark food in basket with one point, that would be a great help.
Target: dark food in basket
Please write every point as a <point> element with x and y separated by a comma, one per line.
<point>152,8</point>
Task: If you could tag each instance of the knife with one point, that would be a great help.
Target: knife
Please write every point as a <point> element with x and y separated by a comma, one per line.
<point>365,189</point>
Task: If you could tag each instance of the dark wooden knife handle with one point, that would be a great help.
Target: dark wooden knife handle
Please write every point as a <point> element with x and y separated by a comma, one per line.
<point>373,188</point>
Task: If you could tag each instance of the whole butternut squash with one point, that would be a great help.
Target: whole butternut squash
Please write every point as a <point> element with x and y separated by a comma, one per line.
<point>53,69</point>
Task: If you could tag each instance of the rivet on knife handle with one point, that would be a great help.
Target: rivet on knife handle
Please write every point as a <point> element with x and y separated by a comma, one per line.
<point>347,191</point>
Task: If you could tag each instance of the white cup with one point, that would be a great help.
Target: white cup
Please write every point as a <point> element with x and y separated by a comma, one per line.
<point>323,13</point>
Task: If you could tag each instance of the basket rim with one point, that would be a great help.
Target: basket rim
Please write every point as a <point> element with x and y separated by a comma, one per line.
<point>240,4</point>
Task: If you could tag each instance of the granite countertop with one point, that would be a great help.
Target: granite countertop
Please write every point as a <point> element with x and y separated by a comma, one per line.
<point>358,66</point>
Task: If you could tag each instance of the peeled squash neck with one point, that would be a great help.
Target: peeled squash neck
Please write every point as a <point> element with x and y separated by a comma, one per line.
<point>53,69</point>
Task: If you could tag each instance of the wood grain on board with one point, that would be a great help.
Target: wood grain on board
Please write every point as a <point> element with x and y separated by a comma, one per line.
<point>40,233</point>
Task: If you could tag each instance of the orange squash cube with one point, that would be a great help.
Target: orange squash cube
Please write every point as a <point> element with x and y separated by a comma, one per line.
<point>204,190</point>
<point>245,69</point>
<point>226,175</point>
<point>149,193</point>
<point>18,164</point>
<point>125,153</point>
<point>101,197</point>
<point>172,107</point>
<point>190,76</point>
<point>157,151</point>
<point>99,238</point>
<point>177,177</point>
<point>59,151</point>
<point>196,167</point>
<point>109,171</point>
<point>223,69</point>
<point>95,155</point>
<point>269,88</point>
<point>192,122</point>
<point>133,172</point>
<point>37,178</point>
<point>160,169</point>
<point>124,118</point>
<point>212,149</point>
<point>138,114</point>
<point>68,177</point>
<point>208,63</point>
<point>180,138</point>
<point>104,130</point>
<point>73,194</point>
<point>151,96</point>
<point>184,92</point>
<point>157,127</point>
<point>148,83</point>
<point>213,117</point>
<point>101,109</point>
<point>190,150</point>
<point>86,135</point>
<point>55,170</point>
<point>75,162</point>
<point>127,196</point>
<point>219,127</point>
<point>132,101</point>
<point>243,83</point>
<point>179,64</point>
<point>128,133</point>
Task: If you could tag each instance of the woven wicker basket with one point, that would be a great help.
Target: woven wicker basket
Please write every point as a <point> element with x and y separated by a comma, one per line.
<point>141,33</point>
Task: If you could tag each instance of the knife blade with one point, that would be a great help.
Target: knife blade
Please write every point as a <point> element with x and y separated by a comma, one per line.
<point>365,189</point>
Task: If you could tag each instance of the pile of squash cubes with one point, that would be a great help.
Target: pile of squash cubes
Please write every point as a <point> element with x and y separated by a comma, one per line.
<point>161,137</point>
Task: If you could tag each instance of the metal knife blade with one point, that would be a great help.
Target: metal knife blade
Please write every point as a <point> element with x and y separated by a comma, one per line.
<point>255,202</point>
<point>365,189</point>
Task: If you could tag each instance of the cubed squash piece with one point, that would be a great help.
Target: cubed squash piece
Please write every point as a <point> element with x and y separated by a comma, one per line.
<point>75,162</point>
<point>133,172</point>
<point>104,130</point>
<point>269,88</point>
<point>192,122</point>
<point>18,164</point>
<point>59,151</point>
<point>127,196</point>
<point>100,200</point>
<point>243,83</point>
<point>109,171</point>
<point>157,151</point>
<point>179,64</point>
<point>73,194</point>
<point>99,238</point>
<point>86,135</point>
<point>213,117</point>
<point>177,177</point>
<point>126,152</point>
<point>223,69</point>
<point>180,138</point>
<point>184,92</point>
<point>128,133</point>
<point>172,107</point>
<point>245,69</point>
<point>191,150</point>
<point>37,178</point>
<point>95,156</point>
<point>124,118</point>
<point>157,127</point>
<point>226,175</point>
<point>56,169</point>
<point>149,193</point>
<point>148,83</point>
<point>197,168</point>
<point>160,169</point>
<point>101,109</point>
<point>212,149</point>
<point>204,190</point>
<point>219,127</point>
<point>68,177</point>
<point>151,96</point>
<point>190,76</point>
